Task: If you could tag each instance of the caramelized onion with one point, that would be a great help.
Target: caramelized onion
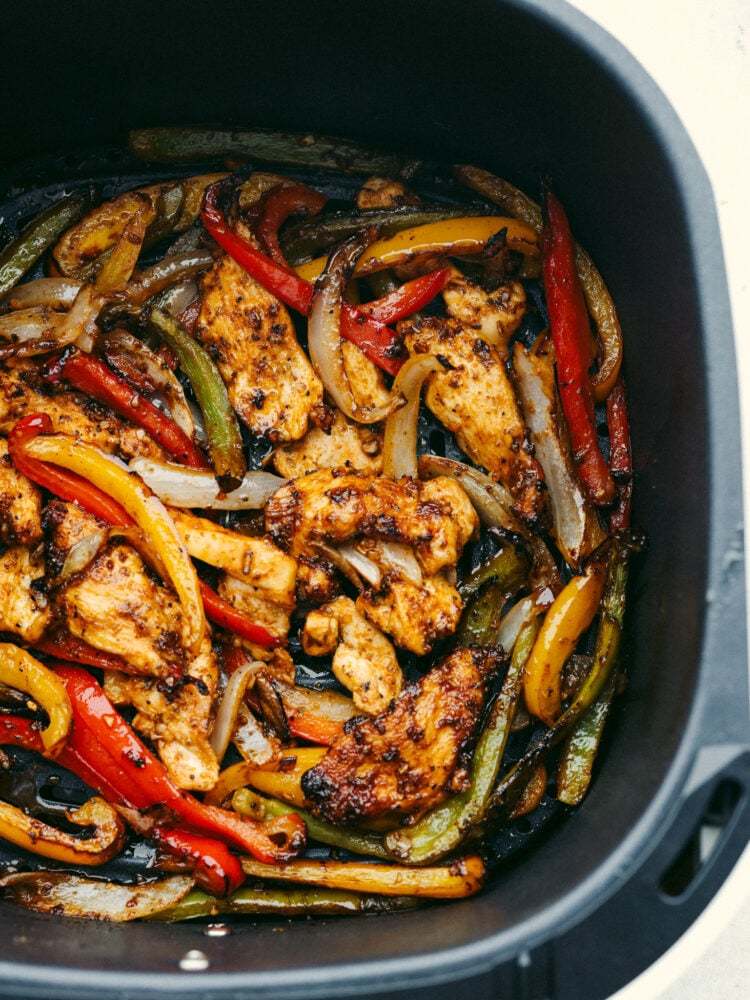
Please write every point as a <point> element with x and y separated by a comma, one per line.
<point>229,706</point>
<point>179,486</point>
<point>324,336</point>
<point>400,438</point>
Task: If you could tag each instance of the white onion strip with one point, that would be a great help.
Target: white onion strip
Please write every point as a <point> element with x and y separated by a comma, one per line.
<point>179,486</point>
<point>400,437</point>
<point>324,337</point>
<point>575,526</point>
<point>57,293</point>
<point>229,706</point>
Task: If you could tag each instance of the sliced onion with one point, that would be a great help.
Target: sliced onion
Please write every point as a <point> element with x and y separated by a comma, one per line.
<point>364,567</point>
<point>79,325</point>
<point>250,739</point>
<point>520,615</point>
<point>161,377</point>
<point>176,300</point>
<point>179,486</point>
<point>494,506</point>
<point>396,557</point>
<point>400,438</point>
<point>229,706</point>
<point>83,552</point>
<point>57,293</point>
<point>575,525</point>
<point>74,896</point>
<point>35,323</point>
<point>324,337</point>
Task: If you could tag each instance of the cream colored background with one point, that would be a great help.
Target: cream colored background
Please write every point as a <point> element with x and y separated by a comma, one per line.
<point>698,52</point>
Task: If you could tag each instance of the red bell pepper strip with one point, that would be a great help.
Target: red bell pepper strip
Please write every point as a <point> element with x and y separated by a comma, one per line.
<point>92,376</point>
<point>279,204</point>
<point>372,336</point>
<point>64,484</point>
<point>223,614</point>
<point>216,869</point>
<point>63,645</point>
<point>408,298</point>
<point>620,455</point>
<point>141,780</point>
<point>20,732</point>
<point>570,326</point>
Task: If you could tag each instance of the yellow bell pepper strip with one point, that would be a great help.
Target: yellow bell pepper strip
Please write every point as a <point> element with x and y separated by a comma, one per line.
<point>145,509</point>
<point>571,614</point>
<point>570,327</point>
<point>463,878</point>
<point>450,237</point>
<point>445,826</point>
<point>282,779</point>
<point>25,250</point>
<point>283,901</point>
<point>246,802</point>
<point>604,661</point>
<point>599,301</point>
<point>20,670</point>
<point>40,838</point>
<point>222,427</point>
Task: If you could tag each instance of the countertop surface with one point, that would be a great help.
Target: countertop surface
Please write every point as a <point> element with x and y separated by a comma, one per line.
<point>698,52</point>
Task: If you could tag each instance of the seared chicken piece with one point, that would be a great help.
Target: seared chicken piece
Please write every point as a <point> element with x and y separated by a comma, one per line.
<point>250,335</point>
<point>364,376</point>
<point>256,562</point>
<point>329,506</point>
<point>255,605</point>
<point>364,661</point>
<point>410,757</point>
<point>382,192</point>
<point>343,445</point>
<point>414,615</point>
<point>176,718</point>
<point>495,315</point>
<point>22,393</point>
<point>20,504</point>
<point>475,400</point>
<point>115,604</point>
<point>24,609</point>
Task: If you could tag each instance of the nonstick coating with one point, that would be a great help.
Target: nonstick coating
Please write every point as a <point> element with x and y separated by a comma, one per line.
<point>522,89</point>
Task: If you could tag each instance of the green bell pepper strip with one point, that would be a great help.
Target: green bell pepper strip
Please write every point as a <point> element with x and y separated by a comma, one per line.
<point>249,803</point>
<point>282,901</point>
<point>488,587</point>
<point>445,826</point>
<point>222,427</point>
<point>192,145</point>
<point>580,748</point>
<point>606,653</point>
<point>39,235</point>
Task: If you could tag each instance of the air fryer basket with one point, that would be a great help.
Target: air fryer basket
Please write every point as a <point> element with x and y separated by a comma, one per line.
<point>522,88</point>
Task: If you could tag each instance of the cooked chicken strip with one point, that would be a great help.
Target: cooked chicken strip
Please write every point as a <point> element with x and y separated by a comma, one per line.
<point>343,445</point>
<point>330,506</point>
<point>250,335</point>
<point>382,192</point>
<point>410,757</point>
<point>414,615</point>
<point>178,719</point>
<point>255,605</point>
<point>475,400</point>
<point>364,661</point>
<point>365,378</point>
<point>494,315</point>
<point>254,561</point>
<point>115,604</point>
<point>24,610</point>
<point>22,393</point>
<point>20,504</point>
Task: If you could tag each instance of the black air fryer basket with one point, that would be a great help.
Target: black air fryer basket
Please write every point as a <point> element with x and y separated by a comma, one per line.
<point>523,89</point>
